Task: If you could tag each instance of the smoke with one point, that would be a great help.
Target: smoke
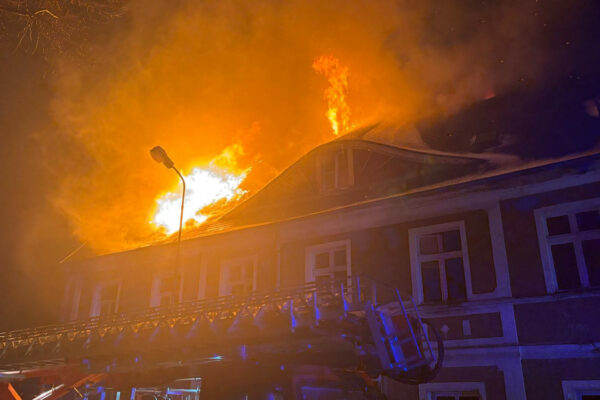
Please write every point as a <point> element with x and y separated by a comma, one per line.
<point>199,76</point>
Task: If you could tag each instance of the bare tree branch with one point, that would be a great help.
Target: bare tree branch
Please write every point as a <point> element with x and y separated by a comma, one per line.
<point>28,28</point>
<point>45,11</point>
<point>13,12</point>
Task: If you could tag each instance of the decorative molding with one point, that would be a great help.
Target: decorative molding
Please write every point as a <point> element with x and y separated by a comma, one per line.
<point>572,390</point>
<point>506,358</point>
<point>427,389</point>
<point>559,351</point>
<point>503,288</point>
<point>414,206</point>
<point>507,318</point>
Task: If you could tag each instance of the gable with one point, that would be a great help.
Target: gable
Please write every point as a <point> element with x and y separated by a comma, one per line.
<point>344,172</point>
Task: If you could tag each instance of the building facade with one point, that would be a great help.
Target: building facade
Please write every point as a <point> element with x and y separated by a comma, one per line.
<point>504,261</point>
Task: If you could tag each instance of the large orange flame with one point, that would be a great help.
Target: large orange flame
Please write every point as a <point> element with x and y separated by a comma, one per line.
<point>210,189</point>
<point>338,111</point>
<point>219,181</point>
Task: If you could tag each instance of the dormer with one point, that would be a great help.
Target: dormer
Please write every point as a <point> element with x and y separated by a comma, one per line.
<point>334,169</point>
<point>346,171</point>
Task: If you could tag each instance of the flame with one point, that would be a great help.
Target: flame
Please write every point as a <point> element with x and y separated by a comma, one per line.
<point>338,111</point>
<point>218,182</point>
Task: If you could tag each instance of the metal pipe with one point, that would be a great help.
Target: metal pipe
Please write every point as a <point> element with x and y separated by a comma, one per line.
<point>178,269</point>
<point>182,203</point>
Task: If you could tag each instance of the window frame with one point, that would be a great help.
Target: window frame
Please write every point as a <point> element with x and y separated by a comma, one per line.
<point>416,258</point>
<point>312,251</point>
<point>427,390</point>
<point>96,306</point>
<point>349,158</point>
<point>74,299</point>
<point>202,281</point>
<point>545,241</point>
<point>157,278</point>
<point>575,390</point>
<point>225,264</point>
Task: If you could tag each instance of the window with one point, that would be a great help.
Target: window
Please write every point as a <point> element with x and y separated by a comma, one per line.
<point>238,276</point>
<point>569,239</point>
<point>581,390</point>
<point>106,299</point>
<point>452,391</point>
<point>329,393</point>
<point>440,264</point>
<point>328,261</point>
<point>73,293</point>
<point>166,289</point>
<point>455,396</point>
<point>335,169</point>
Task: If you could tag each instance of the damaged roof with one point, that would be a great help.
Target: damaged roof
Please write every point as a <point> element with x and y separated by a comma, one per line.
<point>355,167</point>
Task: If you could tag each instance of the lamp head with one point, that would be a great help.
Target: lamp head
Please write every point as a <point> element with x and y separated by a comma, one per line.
<point>160,155</point>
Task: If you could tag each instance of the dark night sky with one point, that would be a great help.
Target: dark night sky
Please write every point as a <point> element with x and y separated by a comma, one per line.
<point>27,282</point>
<point>547,120</point>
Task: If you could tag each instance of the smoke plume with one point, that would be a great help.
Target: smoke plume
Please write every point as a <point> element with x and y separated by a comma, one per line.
<point>198,76</point>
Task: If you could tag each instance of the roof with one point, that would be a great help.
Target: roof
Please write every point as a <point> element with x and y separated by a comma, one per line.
<point>506,168</point>
<point>221,226</point>
<point>379,169</point>
<point>378,137</point>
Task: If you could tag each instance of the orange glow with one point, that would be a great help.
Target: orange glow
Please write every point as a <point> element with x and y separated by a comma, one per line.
<point>198,76</point>
<point>219,181</point>
<point>338,111</point>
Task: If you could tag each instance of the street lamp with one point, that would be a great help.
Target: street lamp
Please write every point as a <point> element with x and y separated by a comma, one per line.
<point>160,155</point>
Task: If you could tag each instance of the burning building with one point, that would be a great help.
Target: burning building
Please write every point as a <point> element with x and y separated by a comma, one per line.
<point>365,269</point>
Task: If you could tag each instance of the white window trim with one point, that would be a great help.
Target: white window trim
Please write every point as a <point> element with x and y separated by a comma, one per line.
<point>507,318</point>
<point>76,299</point>
<point>545,242</point>
<point>499,255</point>
<point>312,251</point>
<point>156,283</point>
<point>415,258</point>
<point>572,390</point>
<point>202,279</point>
<point>95,308</point>
<point>226,263</point>
<point>427,389</point>
<point>349,160</point>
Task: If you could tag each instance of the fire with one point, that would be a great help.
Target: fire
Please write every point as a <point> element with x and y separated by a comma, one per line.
<point>338,111</point>
<point>218,182</point>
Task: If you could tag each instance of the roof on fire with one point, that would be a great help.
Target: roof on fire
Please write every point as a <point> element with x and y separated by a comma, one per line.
<point>487,170</point>
<point>270,204</point>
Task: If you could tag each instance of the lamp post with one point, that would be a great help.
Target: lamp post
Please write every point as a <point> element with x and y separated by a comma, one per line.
<point>160,155</point>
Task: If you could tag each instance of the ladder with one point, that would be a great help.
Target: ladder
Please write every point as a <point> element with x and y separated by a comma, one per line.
<point>374,318</point>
